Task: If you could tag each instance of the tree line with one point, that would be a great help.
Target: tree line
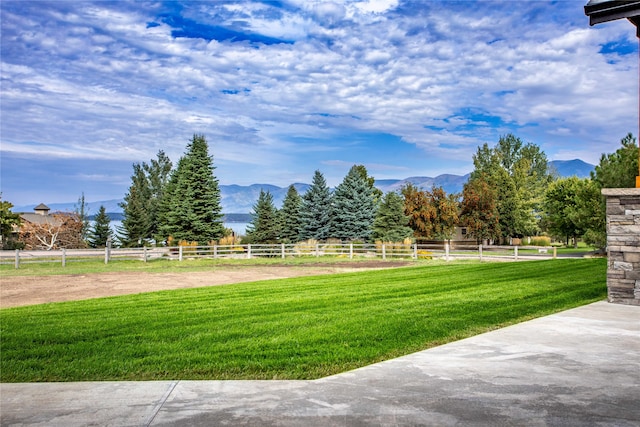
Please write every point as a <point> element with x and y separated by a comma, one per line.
<point>511,193</point>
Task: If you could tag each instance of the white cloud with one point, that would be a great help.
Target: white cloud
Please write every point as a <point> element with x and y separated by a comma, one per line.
<point>442,76</point>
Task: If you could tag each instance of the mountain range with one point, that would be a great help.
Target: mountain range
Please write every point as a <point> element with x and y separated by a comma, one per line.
<point>240,199</point>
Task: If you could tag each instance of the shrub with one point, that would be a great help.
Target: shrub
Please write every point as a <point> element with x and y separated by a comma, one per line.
<point>540,241</point>
<point>307,247</point>
<point>425,254</point>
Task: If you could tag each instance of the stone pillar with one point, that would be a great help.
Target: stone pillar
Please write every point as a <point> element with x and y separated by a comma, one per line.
<point>623,245</point>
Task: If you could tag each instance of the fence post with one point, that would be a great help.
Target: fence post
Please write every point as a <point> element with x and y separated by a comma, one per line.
<point>480,250</point>
<point>180,253</point>
<point>17,263</point>
<point>282,247</point>
<point>515,252</point>
<point>249,251</point>
<point>215,251</point>
<point>144,249</point>
<point>446,251</point>
<point>415,251</point>
<point>351,250</point>
<point>64,257</point>
<point>384,251</point>
<point>555,252</point>
<point>317,250</point>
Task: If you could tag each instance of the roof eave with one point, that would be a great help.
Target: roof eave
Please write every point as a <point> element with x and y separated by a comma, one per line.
<point>605,11</point>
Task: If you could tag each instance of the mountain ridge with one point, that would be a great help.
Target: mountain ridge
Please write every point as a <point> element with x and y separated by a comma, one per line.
<point>239,199</point>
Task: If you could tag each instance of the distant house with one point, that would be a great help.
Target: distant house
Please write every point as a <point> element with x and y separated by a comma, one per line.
<point>41,229</point>
<point>40,215</point>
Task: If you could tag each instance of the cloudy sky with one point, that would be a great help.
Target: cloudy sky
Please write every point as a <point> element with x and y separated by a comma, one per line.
<point>282,88</point>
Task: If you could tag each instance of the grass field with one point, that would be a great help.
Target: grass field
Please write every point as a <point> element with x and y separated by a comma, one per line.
<point>294,328</point>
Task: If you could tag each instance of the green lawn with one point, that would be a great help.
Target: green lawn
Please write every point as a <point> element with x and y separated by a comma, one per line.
<point>295,328</point>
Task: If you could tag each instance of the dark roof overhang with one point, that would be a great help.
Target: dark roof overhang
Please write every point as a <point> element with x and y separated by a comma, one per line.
<point>600,11</point>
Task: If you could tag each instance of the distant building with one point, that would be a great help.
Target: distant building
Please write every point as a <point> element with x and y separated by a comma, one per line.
<point>40,215</point>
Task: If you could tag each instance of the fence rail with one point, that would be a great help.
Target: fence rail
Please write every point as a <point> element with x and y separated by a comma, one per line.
<point>384,251</point>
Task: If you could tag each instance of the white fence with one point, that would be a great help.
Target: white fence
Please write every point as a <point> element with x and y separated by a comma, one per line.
<point>384,251</point>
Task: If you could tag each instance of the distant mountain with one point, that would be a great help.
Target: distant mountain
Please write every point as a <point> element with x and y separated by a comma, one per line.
<point>575,167</point>
<point>241,198</point>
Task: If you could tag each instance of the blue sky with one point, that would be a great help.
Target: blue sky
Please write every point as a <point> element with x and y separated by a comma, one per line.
<point>282,88</point>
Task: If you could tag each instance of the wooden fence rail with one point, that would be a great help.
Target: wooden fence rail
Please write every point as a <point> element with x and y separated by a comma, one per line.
<point>384,251</point>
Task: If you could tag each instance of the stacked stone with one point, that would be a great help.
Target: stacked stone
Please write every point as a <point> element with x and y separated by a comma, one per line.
<point>623,245</point>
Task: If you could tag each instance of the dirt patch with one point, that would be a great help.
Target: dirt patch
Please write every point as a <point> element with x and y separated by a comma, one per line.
<point>18,291</point>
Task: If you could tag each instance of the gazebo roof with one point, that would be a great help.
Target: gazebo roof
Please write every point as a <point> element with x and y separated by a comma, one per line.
<point>42,207</point>
<point>600,11</point>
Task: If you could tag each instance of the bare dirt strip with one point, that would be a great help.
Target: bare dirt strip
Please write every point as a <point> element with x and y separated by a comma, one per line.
<point>18,291</point>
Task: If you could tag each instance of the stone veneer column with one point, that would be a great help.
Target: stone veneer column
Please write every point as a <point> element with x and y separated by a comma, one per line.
<point>623,245</point>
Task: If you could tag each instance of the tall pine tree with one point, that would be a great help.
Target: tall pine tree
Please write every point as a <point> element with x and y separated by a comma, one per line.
<point>191,203</point>
<point>265,225</point>
<point>141,205</point>
<point>136,223</point>
<point>391,224</point>
<point>158,173</point>
<point>101,232</point>
<point>290,216</point>
<point>354,207</point>
<point>316,210</point>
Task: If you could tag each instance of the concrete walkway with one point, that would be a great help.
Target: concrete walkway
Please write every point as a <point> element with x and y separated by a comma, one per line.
<point>580,367</point>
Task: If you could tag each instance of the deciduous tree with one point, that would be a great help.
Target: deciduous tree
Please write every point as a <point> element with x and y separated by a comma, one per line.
<point>479,209</point>
<point>418,209</point>
<point>432,214</point>
<point>518,173</point>
<point>55,231</point>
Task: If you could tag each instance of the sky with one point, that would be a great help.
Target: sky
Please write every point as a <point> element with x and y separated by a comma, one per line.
<point>283,88</point>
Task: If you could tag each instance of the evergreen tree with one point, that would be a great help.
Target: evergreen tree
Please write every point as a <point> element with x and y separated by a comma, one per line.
<point>290,216</point>
<point>353,207</point>
<point>615,170</point>
<point>8,220</point>
<point>265,225</point>
<point>83,216</point>
<point>191,206</point>
<point>101,232</point>
<point>316,210</point>
<point>391,223</point>
<point>371,181</point>
<point>136,223</point>
<point>141,205</point>
<point>619,169</point>
<point>157,172</point>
